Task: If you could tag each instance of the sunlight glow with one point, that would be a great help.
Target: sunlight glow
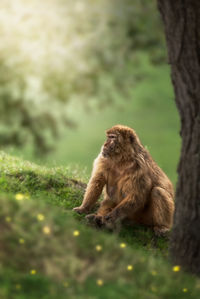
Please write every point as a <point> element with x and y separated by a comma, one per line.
<point>40,36</point>
<point>35,28</point>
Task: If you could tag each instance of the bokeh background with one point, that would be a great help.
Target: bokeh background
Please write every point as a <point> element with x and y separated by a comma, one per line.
<point>70,69</point>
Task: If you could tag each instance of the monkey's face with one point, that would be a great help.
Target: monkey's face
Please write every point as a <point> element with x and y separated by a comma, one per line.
<point>121,142</point>
<point>112,145</point>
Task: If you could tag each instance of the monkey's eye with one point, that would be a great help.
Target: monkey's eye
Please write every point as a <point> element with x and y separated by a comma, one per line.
<point>112,136</point>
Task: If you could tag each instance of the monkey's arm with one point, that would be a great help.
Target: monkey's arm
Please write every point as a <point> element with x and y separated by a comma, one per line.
<point>93,191</point>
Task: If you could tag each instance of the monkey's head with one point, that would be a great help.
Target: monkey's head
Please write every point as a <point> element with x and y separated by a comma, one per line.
<point>121,140</point>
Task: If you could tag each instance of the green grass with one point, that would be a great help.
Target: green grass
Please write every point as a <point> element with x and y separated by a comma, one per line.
<point>69,266</point>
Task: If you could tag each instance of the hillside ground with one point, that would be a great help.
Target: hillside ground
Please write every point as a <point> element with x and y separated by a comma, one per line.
<point>48,251</point>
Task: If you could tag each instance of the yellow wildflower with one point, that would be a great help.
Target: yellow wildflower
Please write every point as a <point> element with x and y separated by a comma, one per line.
<point>153,272</point>
<point>65,284</point>
<point>76,233</point>
<point>21,241</point>
<point>185,290</point>
<point>129,267</point>
<point>99,282</point>
<point>46,230</point>
<point>40,217</point>
<point>19,196</point>
<point>18,286</point>
<point>122,245</point>
<point>33,272</point>
<point>154,289</point>
<point>98,247</point>
<point>176,268</point>
<point>8,219</point>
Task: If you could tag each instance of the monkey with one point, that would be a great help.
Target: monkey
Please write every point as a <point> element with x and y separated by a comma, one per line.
<point>134,186</point>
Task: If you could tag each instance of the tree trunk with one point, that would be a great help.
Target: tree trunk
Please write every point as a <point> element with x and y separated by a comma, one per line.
<point>182,28</point>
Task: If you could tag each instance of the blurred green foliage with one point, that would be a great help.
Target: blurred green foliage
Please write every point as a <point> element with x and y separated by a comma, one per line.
<point>151,112</point>
<point>56,51</point>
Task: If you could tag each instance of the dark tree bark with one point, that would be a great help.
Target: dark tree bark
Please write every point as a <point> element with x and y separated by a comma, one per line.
<point>182,28</point>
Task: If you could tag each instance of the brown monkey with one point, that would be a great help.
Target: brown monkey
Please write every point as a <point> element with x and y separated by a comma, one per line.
<point>135,188</point>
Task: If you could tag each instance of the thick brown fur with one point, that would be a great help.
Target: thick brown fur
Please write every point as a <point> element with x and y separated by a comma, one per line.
<point>135,188</point>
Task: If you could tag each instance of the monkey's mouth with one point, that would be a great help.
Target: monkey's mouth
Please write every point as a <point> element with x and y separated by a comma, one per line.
<point>105,153</point>
<point>110,152</point>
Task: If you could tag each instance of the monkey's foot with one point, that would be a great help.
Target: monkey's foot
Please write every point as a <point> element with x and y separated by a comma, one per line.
<point>161,231</point>
<point>80,210</point>
<point>90,217</point>
<point>95,219</point>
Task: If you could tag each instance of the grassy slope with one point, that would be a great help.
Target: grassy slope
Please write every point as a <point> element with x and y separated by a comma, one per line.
<point>68,266</point>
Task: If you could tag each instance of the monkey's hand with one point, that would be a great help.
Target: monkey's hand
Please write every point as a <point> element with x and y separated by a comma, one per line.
<point>80,210</point>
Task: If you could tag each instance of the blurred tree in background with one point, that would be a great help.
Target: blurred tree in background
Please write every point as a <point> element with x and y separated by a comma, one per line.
<point>55,51</point>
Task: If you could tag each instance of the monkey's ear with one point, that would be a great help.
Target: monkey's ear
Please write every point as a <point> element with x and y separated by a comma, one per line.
<point>131,137</point>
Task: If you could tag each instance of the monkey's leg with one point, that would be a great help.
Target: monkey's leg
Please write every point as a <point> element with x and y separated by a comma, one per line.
<point>127,206</point>
<point>161,210</point>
